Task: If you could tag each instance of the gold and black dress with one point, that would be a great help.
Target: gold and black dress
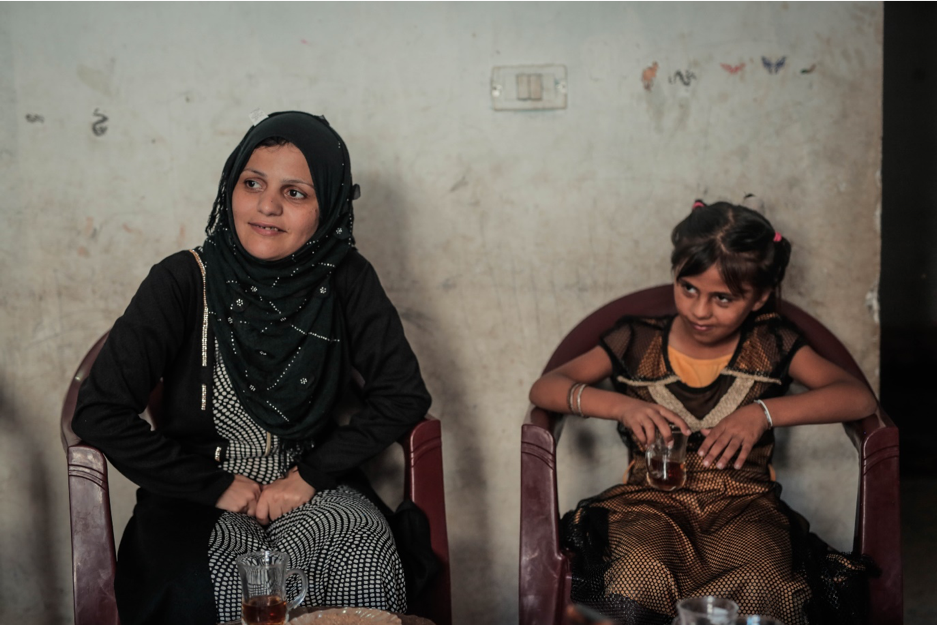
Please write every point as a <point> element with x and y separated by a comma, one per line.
<point>638,550</point>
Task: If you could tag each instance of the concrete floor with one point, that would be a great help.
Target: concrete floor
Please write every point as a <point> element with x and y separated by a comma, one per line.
<point>919,549</point>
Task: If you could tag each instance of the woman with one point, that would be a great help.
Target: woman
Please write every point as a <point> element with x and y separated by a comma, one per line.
<point>254,336</point>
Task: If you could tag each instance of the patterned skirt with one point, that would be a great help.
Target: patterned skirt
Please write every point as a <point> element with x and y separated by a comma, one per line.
<point>639,550</point>
<point>339,538</point>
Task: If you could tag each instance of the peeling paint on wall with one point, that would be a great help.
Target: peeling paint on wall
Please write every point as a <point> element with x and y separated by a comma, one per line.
<point>872,303</point>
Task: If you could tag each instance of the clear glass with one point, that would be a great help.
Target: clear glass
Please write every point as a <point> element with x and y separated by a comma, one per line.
<point>707,611</point>
<point>263,588</point>
<point>666,466</point>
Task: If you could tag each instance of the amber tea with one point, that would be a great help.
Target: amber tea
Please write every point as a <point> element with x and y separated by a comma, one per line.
<point>666,466</point>
<point>264,610</point>
<point>263,588</point>
<point>666,474</point>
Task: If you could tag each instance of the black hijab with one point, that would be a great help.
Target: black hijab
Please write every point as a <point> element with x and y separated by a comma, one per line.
<point>278,327</point>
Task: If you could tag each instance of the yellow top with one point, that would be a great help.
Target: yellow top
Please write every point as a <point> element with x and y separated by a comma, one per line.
<point>697,372</point>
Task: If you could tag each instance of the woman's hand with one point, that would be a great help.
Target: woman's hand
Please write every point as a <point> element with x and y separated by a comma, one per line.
<point>241,496</point>
<point>738,432</point>
<point>643,418</point>
<point>282,496</point>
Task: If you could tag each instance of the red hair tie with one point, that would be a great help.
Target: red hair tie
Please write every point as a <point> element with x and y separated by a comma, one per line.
<point>777,237</point>
<point>698,204</point>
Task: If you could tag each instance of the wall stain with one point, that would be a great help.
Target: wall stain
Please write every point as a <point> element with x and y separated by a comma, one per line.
<point>99,80</point>
<point>463,181</point>
<point>648,76</point>
<point>98,127</point>
<point>35,119</point>
<point>685,78</point>
<point>809,70</point>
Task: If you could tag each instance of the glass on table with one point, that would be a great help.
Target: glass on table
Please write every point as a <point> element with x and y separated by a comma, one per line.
<point>707,610</point>
<point>263,588</point>
<point>666,466</point>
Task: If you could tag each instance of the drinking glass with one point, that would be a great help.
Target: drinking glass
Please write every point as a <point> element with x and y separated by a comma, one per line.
<point>666,466</point>
<point>263,588</point>
<point>707,610</point>
<point>756,619</point>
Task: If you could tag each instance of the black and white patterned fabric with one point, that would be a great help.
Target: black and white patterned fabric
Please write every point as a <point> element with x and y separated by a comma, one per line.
<point>340,539</point>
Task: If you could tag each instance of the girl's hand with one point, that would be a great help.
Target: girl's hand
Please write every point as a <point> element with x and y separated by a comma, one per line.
<point>643,418</point>
<point>282,496</point>
<point>241,496</point>
<point>738,432</point>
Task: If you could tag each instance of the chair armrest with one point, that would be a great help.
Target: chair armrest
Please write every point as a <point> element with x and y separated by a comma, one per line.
<point>93,556</point>
<point>544,568</point>
<point>552,422</point>
<point>878,511</point>
<point>423,485</point>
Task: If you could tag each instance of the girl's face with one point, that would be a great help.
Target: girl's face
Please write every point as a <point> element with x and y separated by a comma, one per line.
<point>707,311</point>
<point>274,203</point>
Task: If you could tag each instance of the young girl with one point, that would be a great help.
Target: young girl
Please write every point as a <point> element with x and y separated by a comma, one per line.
<point>718,370</point>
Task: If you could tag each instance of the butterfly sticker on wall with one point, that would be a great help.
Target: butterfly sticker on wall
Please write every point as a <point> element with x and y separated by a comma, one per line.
<point>775,66</point>
<point>732,69</point>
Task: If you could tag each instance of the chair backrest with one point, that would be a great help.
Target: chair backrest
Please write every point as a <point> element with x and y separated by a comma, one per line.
<point>658,300</point>
<point>94,562</point>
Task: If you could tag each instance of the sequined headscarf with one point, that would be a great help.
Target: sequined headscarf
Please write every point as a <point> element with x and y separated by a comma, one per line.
<point>279,330</point>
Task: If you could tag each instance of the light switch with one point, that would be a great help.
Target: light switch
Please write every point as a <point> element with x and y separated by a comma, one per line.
<point>525,87</point>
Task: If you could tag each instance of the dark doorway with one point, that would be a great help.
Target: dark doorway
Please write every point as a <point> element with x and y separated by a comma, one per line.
<point>908,290</point>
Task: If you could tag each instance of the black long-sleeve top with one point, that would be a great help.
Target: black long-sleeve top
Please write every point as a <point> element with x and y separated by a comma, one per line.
<point>164,334</point>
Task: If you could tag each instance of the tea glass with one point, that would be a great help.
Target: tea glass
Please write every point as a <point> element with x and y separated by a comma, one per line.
<point>666,466</point>
<point>263,588</point>
<point>707,610</point>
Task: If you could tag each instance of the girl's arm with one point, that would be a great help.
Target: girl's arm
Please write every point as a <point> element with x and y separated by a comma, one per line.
<point>551,392</point>
<point>834,396</point>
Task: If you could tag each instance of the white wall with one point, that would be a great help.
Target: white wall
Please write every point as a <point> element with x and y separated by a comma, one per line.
<point>493,232</point>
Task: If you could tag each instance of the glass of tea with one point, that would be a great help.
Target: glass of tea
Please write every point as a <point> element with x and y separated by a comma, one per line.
<point>666,466</point>
<point>707,611</point>
<point>263,588</point>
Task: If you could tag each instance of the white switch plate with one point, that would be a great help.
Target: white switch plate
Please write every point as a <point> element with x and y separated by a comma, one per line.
<point>511,91</point>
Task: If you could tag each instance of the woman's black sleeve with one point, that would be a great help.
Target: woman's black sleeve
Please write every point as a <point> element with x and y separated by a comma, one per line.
<point>394,395</point>
<point>146,340</point>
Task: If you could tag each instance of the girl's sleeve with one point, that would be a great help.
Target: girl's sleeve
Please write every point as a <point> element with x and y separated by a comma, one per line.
<point>789,339</point>
<point>144,341</point>
<point>616,341</point>
<point>395,397</point>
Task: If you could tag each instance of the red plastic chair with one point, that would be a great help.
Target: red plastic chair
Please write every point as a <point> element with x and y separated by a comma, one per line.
<point>94,560</point>
<point>545,578</point>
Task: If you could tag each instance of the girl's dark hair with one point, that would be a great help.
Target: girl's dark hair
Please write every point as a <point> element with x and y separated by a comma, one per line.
<point>737,240</point>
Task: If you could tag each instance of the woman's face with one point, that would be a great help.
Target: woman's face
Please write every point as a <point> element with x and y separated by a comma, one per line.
<point>274,203</point>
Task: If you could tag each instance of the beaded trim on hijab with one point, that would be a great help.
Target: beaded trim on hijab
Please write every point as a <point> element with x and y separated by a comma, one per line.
<point>278,327</point>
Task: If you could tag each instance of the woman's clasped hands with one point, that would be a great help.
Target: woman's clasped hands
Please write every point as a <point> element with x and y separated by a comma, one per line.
<point>266,502</point>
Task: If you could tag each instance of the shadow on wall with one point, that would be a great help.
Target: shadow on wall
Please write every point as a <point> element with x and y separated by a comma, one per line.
<point>27,560</point>
<point>384,236</point>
